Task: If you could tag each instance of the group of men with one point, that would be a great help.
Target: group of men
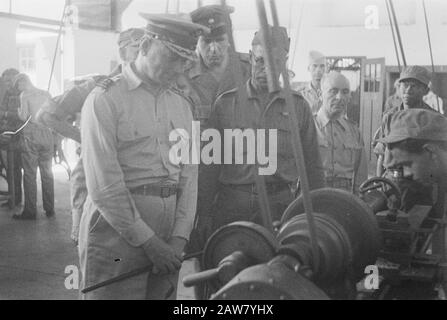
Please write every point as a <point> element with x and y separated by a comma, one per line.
<point>133,206</point>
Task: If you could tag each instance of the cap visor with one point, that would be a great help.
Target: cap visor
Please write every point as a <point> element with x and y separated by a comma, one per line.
<point>182,52</point>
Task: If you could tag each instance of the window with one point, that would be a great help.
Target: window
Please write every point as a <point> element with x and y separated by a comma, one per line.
<point>27,61</point>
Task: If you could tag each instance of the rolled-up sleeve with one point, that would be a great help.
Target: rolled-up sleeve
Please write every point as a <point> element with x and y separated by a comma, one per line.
<point>104,177</point>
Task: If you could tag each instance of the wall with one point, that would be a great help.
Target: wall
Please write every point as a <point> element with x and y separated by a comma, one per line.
<point>8,49</point>
<point>94,51</point>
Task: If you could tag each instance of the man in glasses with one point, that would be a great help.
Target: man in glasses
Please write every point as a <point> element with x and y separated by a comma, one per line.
<point>140,206</point>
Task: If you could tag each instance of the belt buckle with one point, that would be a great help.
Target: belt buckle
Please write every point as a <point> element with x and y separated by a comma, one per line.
<point>165,192</point>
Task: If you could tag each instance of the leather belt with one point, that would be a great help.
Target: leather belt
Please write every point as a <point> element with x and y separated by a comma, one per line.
<point>155,190</point>
<point>272,188</point>
<point>338,182</point>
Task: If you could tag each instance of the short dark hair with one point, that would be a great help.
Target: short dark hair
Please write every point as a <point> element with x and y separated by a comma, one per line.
<point>415,145</point>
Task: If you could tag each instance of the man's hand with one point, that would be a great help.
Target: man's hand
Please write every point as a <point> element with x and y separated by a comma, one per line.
<point>163,256</point>
<point>178,244</point>
<point>200,234</point>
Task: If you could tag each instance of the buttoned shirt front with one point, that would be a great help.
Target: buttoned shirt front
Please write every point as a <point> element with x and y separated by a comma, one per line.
<point>313,97</point>
<point>227,115</point>
<point>207,87</point>
<point>342,149</point>
<point>125,132</point>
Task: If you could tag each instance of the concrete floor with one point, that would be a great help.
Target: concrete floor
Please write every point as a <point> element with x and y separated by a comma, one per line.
<point>34,255</point>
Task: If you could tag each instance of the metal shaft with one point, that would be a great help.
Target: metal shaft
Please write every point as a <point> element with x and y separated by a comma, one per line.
<point>396,24</point>
<point>394,35</point>
<point>294,125</point>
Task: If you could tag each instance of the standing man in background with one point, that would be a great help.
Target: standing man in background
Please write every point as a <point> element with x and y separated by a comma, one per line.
<point>9,120</point>
<point>312,92</point>
<point>341,144</point>
<point>37,150</point>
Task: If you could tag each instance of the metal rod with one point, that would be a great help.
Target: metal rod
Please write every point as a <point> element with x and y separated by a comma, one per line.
<point>431,51</point>
<point>394,35</point>
<point>272,80</point>
<point>297,34</point>
<point>119,278</point>
<point>295,129</point>
<point>61,24</point>
<point>398,32</point>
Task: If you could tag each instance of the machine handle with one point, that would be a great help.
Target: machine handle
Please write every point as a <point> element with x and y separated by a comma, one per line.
<point>195,279</point>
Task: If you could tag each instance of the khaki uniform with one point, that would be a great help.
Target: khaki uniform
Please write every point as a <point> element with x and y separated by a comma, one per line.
<point>238,198</point>
<point>125,145</point>
<point>313,97</point>
<point>205,90</point>
<point>342,151</point>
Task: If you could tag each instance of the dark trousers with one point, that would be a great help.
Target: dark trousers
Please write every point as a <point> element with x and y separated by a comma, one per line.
<point>38,153</point>
<point>17,176</point>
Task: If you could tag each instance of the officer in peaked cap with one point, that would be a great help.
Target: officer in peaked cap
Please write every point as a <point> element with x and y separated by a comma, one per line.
<point>141,204</point>
<point>211,75</point>
<point>215,17</point>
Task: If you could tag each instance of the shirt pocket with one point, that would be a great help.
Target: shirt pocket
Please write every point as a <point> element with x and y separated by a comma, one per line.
<point>280,122</point>
<point>351,153</point>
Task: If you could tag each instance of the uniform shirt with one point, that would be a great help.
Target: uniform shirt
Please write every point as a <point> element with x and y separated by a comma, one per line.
<point>313,97</point>
<point>30,103</point>
<point>70,103</point>
<point>206,88</point>
<point>342,149</point>
<point>125,144</point>
<point>229,113</point>
<point>384,129</point>
<point>392,102</point>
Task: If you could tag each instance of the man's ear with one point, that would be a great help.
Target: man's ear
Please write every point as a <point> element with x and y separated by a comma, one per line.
<point>433,151</point>
<point>145,45</point>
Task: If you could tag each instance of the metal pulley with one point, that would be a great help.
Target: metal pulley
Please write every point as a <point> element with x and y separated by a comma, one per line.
<point>347,232</point>
<point>231,249</point>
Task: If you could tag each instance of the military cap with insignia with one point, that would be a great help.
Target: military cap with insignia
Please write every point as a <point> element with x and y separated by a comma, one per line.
<point>214,17</point>
<point>176,31</point>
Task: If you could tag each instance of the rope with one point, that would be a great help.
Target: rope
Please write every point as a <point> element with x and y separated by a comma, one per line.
<point>394,35</point>
<point>429,46</point>
<point>398,32</point>
<point>61,24</point>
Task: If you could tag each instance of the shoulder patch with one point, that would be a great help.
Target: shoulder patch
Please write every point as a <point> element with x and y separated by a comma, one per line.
<point>232,91</point>
<point>179,92</point>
